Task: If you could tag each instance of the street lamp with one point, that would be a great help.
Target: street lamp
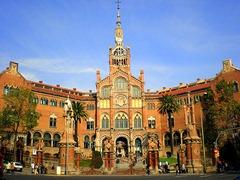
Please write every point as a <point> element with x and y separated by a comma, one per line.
<point>68,119</point>
<point>203,142</point>
<point>68,116</point>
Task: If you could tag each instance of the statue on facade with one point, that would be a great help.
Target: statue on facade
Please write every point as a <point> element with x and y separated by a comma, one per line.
<point>121,149</point>
<point>40,145</point>
<point>68,110</point>
<point>152,142</point>
<point>108,145</point>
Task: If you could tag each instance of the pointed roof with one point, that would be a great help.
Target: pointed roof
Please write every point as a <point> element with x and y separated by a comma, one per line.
<point>118,30</point>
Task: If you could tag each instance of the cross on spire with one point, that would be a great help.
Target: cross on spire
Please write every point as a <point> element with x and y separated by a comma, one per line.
<point>118,13</point>
<point>118,4</point>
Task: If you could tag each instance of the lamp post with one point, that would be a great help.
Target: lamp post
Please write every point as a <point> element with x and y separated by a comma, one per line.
<point>66,154</point>
<point>203,142</point>
<point>68,119</point>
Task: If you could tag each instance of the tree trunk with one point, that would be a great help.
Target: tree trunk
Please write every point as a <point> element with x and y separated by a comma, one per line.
<point>76,132</point>
<point>15,130</point>
<point>170,130</point>
<point>15,146</point>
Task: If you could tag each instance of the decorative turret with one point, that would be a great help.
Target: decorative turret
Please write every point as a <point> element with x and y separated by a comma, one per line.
<point>98,75</point>
<point>141,75</point>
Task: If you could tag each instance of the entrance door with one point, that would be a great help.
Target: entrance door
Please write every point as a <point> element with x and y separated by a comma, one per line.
<point>138,147</point>
<point>121,147</point>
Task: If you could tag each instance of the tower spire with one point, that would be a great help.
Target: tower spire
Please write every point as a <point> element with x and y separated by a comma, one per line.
<point>118,13</point>
<point>118,30</point>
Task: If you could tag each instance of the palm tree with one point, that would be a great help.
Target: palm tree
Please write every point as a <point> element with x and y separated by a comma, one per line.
<point>79,113</point>
<point>169,105</point>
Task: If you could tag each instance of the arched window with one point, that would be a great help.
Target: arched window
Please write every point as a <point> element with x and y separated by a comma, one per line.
<point>138,147</point>
<point>44,101</point>
<point>56,139</point>
<point>151,106</point>
<point>6,90</point>
<point>105,92</point>
<point>53,102</point>
<point>136,92</point>
<point>47,139</point>
<point>86,142</point>
<point>151,123</point>
<point>137,121</point>
<point>35,100</point>
<point>90,124</point>
<point>53,121</point>
<point>61,104</point>
<point>36,137</point>
<point>120,84</point>
<point>90,106</point>
<point>176,139</point>
<point>235,86</point>
<point>105,121</point>
<point>167,139</point>
<point>28,139</point>
<point>119,52</point>
<point>121,121</point>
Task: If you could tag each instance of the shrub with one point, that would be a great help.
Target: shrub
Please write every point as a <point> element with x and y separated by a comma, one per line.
<point>97,161</point>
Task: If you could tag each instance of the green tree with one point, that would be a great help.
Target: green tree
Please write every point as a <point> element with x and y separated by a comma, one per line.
<point>210,121</point>
<point>222,114</point>
<point>169,105</point>
<point>79,114</point>
<point>19,113</point>
<point>96,161</point>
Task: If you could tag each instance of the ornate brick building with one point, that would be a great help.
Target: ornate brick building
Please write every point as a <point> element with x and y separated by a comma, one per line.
<point>120,107</point>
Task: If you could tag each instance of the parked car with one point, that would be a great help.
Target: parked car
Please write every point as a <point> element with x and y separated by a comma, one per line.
<point>18,166</point>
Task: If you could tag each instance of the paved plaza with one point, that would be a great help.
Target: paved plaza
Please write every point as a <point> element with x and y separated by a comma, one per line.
<point>222,176</point>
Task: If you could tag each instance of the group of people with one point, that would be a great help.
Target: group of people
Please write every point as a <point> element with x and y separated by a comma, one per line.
<point>163,167</point>
<point>181,169</point>
<point>38,169</point>
<point>10,167</point>
<point>222,166</point>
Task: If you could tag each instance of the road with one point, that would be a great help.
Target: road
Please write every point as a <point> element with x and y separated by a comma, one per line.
<point>163,177</point>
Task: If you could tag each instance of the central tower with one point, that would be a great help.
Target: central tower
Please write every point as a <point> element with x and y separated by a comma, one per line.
<point>120,99</point>
<point>119,56</point>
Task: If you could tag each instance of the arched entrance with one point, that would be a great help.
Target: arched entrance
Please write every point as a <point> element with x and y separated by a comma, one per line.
<point>138,147</point>
<point>121,147</point>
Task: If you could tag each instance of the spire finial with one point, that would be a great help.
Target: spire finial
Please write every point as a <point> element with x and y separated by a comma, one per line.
<point>118,4</point>
<point>118,12</point>
<point>118,30</point>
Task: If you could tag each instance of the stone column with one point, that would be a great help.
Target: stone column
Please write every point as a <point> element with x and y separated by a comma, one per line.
<point>66,151</point>
<point>150,160</point>
<point>193,142</point>
<point>182,155</point>
<point>156,161</point>
<point>78,157</point>
<point>39,159</point>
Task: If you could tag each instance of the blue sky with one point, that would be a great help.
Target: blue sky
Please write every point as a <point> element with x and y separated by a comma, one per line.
<point>65,41</point>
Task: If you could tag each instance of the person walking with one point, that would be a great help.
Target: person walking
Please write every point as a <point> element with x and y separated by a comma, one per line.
<point>8,167</point>
<point>12,168</point>
<point>36,170</point>
<point>32,167</point>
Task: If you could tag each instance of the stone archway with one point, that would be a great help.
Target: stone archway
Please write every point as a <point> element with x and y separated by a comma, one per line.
<point>138,147</point>
<point>122,147</point>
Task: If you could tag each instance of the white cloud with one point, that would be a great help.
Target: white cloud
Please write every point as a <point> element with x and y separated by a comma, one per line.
<point>57,66</point>
<point>30,76</point>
